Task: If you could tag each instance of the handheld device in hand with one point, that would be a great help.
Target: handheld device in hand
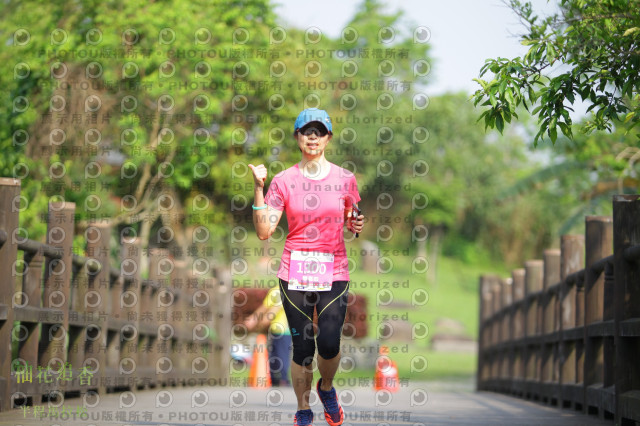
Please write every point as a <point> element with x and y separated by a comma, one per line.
<point>354,215</point>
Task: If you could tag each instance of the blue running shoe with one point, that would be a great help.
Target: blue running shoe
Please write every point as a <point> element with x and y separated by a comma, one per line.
<point>333,413</point>
<point>303,418</point>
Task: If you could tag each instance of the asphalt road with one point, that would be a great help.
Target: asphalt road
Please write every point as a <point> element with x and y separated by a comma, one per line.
<point>417,404</point>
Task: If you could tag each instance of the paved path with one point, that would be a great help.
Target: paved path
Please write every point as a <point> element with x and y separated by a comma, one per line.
<point>426,403</point>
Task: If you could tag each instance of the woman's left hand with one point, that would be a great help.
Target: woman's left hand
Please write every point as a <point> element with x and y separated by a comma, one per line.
<point>357,224</point>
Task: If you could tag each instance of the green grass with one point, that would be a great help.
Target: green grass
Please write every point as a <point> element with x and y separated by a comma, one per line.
<point>453,296</point>
<point>440,365</point>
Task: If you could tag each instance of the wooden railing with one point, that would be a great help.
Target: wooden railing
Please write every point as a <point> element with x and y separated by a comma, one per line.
<point>77,326</point>
<point>565,330</point>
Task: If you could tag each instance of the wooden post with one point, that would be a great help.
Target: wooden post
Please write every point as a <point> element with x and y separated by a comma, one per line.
<point>551,277</point>
<point>9,218</point>
<point>483,343</point>
<point>159,270</point>
<point>507,330</point>
<point>481,314</point>
<point>517,314</point>
<point>183,332</point>
<point>572,260</point>
<point>534,270</point>
<point>496,302</point>
<point>533,286</point>
<point>198,323</point>
<point>507,293</point>
<point>156,345</point>
<point>78,323</point>
<point>608,315</point>
<point>626,233</point>
<point>507,299</point>
<point>599,244</point>
<point>96,302</point>
<point>517,276</point>
<point>32,289</point>
<point>128,305</point>
<point>572,249</point>
<point>558,360</point>
<point>57,284</point>
<point>496,305</point>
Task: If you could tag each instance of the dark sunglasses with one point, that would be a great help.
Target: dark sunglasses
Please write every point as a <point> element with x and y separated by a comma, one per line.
<point>318,131</point>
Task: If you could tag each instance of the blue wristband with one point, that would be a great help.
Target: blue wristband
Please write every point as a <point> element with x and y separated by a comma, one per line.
<point>259,208</point>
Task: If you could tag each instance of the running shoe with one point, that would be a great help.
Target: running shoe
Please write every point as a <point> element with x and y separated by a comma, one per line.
<point>333,413</point>
<point>303,418</point>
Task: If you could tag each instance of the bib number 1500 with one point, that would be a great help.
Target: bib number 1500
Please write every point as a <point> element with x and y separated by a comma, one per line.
<point>311,267</point>
<point>310,271</point>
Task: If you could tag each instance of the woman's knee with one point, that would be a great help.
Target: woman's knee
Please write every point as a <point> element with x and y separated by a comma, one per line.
<point>328,346</point>
<point>329,352</point>
<point>303,351</point>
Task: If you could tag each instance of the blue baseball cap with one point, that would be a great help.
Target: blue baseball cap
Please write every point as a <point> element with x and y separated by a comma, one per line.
<point>313,114</point>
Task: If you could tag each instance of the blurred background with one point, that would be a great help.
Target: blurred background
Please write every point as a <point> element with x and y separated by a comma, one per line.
<point>147,113</point>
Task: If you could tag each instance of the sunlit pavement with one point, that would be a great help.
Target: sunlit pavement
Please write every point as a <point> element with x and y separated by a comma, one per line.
<point>421,403</point>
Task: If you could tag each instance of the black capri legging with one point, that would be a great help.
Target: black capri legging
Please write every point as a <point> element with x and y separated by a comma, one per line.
<point>331,307</point>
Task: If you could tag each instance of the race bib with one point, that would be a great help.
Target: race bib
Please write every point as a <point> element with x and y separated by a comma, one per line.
<point>310,271</point>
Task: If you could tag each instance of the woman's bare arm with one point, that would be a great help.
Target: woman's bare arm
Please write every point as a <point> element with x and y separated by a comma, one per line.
<point>265,220</point>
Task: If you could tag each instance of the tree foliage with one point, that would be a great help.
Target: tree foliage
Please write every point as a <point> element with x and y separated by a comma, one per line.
<point>125,108</point>
<point>583,174</point>
<point>588,50</point>
<point>190,92</point>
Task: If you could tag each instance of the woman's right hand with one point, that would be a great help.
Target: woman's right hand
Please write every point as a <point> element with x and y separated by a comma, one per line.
<point>259,175</point>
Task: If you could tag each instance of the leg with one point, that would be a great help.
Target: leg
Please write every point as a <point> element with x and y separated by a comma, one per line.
<point>332,310</point>
<point>328,368</point>
<point>301,378</point>
<point>299,310</point>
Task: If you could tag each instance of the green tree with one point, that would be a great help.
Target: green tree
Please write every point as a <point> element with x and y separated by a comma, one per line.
<point>162,80</point>
<point>468,169</point>
<point>589,49</point>
<point>583,174</point>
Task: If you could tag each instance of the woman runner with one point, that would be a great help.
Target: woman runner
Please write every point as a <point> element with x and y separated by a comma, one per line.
<point>319,198</point>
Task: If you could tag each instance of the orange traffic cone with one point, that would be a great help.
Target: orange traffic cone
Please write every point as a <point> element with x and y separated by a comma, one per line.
<point>259,376</point>
<point>386,375</point>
